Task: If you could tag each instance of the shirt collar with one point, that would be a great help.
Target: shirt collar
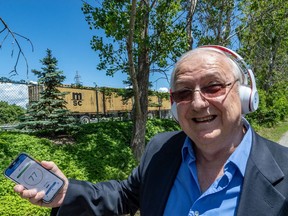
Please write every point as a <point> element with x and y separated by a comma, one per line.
<point>239,157</point>
<point>187,150</point>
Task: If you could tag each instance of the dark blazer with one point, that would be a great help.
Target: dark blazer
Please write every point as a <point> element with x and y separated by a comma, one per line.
<point>264,192</point>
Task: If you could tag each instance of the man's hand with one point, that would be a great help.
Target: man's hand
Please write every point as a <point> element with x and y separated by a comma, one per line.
<point>36,198</point>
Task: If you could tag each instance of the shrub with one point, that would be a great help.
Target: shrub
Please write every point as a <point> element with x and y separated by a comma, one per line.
<point>273,107</point>
<point>101,152</point>
<point>10,113</point>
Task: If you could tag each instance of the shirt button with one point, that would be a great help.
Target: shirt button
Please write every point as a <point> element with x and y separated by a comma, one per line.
<point>196,213</point>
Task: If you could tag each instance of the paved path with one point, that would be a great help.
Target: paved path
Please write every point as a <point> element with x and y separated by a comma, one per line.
<point>284,139</point>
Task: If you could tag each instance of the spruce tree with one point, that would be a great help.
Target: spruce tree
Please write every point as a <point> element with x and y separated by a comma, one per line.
<point>49,114</point>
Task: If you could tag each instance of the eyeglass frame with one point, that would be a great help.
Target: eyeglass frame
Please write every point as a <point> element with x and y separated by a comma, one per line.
<point>200,90</point>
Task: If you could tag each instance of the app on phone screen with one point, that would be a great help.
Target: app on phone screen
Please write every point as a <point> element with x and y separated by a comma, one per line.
<point>24,170</point>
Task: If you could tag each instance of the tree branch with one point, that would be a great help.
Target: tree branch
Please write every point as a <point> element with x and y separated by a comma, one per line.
<point>20,51</point>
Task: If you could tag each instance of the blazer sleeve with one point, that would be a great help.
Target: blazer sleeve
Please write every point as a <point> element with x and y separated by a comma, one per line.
<point>105,198</point>
<point>112,197</point>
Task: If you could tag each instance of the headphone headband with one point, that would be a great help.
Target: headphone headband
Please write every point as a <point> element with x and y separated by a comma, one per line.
<point>253,99</point>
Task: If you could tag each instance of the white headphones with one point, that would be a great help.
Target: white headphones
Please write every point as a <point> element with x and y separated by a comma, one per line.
<point>248,93</point>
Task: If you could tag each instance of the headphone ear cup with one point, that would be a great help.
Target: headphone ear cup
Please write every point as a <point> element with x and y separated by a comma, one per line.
<point>174,111</point>
<point>254,101</point>
<point>245,92</point>
<point>249,99</point>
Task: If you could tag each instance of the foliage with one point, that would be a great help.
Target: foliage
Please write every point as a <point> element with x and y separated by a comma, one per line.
<point>216,22</point>
<point>10,113</point>
<point>49,114</point>
<point>273,108</point>
<point>156,126</point>
<point>166,39</point>
<point>264,46</point>
<point>7,80</point>
<point>101,152</point>
<point>139,36</point>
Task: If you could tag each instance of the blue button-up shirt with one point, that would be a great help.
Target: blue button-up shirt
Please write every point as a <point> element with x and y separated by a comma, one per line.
<point>222,197</point>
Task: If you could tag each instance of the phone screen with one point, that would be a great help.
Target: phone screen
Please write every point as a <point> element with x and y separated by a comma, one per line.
<point>26,171</point>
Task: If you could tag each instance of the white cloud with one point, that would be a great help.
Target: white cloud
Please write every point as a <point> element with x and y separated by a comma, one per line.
<point>33,82</point>
<point>14,94</point>
<point>163,89</point>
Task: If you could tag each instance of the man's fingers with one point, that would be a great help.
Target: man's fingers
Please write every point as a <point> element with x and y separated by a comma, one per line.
<point>48,164</point>
<point>28,193</point>
<point>18,188</point>
<point>52,167</point>
<point>37,199</point>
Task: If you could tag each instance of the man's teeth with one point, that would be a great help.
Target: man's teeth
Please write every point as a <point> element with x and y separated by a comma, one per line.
<point>204,119</point>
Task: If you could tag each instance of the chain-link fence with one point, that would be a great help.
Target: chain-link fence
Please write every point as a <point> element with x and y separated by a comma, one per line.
<point>13,102</point>
<point>14,93</point>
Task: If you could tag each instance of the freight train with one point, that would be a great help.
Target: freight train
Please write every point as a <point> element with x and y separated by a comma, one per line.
<point>88,103</point>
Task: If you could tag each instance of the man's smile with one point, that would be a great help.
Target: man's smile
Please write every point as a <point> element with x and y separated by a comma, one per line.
<point>204,119</point>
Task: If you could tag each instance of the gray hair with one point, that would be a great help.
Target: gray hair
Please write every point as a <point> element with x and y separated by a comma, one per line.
<point>236,69</point>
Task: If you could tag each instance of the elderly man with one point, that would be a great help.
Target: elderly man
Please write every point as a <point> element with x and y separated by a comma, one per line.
<point>217,164</point>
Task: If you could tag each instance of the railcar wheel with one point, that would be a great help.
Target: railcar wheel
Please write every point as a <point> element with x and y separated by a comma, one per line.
<point>85,119</point>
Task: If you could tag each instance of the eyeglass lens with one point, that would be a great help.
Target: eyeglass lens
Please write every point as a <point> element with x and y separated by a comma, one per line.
<point>208,92</point>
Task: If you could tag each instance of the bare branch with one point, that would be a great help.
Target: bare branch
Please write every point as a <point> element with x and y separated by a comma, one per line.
<point>4,39</point>
<point>191,10</point>
<point>20,51</point>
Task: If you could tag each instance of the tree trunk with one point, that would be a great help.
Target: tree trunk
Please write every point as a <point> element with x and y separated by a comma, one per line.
<point>140,80</point>
<point>140,86</point>
<point>138,136</point>
<point>140,119</point>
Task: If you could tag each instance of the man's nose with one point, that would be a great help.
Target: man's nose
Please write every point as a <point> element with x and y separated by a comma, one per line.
<point>199,100</point>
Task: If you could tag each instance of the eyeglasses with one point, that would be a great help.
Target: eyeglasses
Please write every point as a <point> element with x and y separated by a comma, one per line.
<point>208,92</point>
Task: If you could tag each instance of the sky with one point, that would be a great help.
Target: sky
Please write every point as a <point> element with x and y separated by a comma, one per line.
<point>58,25</point>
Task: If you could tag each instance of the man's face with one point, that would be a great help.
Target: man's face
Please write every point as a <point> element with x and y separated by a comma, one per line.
<point>208,120</point>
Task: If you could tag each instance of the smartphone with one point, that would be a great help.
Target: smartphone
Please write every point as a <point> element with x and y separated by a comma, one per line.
<point>28,172</point>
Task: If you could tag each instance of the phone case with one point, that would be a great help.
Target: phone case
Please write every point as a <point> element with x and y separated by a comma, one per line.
<point>31,174</point>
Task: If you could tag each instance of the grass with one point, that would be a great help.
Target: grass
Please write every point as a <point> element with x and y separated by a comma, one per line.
<point>275,133</point>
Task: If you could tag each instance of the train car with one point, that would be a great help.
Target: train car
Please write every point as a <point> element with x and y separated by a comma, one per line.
<point>88,103</point>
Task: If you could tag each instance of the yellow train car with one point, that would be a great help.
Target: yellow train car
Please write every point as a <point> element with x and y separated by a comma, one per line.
<point>87,103</point>
<point>80,100</point>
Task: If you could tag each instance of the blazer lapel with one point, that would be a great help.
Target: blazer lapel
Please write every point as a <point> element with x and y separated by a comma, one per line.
<point>161,175</point>
<point>259,195</point>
